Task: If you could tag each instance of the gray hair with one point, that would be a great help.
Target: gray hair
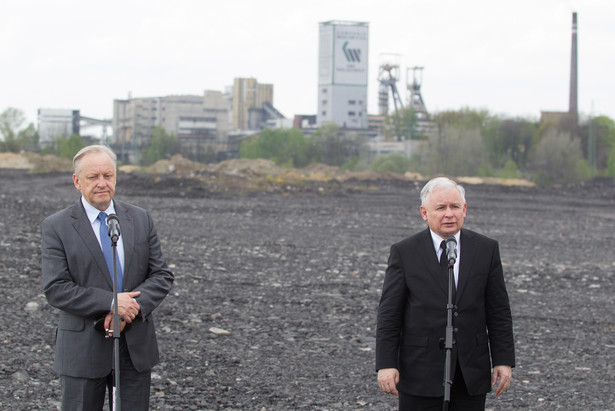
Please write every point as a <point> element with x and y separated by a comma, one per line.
<point>96,148</point>
<point>440,183</point>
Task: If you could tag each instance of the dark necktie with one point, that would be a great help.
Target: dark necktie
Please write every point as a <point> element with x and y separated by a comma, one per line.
<point>105,242</point>
<point>443,260</point>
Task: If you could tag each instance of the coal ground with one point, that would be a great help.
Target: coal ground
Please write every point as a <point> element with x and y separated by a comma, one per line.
<point>295,278</point>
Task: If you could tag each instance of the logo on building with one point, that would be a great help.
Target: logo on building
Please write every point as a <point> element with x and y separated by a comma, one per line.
<point>352,55</point>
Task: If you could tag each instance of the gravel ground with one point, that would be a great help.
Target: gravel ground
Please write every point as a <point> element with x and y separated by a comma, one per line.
<point>294,277</point>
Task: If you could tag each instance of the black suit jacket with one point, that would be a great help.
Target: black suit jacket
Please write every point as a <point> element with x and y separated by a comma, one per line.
<point>76,280</point>
<point>412,315</point>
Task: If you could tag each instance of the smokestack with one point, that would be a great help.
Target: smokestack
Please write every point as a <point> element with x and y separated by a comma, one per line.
<point>573,107</point>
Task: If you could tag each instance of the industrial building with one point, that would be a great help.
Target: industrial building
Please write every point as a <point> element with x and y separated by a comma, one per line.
<point>343,74</point>
<point>202,124</point>
<point>252,104</point>
<point>198,122</point>
<point>570,118</point>
<point>53,123</point>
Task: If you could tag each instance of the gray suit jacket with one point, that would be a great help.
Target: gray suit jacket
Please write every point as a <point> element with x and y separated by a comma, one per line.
<point>76,280</point>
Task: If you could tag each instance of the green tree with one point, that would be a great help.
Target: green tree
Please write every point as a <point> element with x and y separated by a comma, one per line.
<point>510,170</point>
<point>392,163</point>
<point>70,146</point>
<point>465,143</point>
<point>454,151</point>
<point>285,147</point>
<point>355,163</point>
<point>210,155</point>
<point>597,138</point>
<point>466,118</point>
<point>508,139</point>
<point>163,145</point>
<point>557,158</point>
<point>488,142</point>
<point>336,147</point>
<point>401,125</point>
<point>54,146</point>
<point>610,165</point>
<point>15,137</point>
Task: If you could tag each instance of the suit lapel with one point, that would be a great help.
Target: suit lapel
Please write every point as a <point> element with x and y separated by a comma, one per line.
<point>127,233</point>
<point>83,228</point>
<point>428,254</point>
<point>466,259</point>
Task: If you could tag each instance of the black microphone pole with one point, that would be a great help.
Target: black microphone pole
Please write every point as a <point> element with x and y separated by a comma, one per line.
<point>114,232</point>
<point>449,338</point>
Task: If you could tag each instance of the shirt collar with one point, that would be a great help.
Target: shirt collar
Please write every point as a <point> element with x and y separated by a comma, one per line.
<point>92,212</point>
<point>437,240</point>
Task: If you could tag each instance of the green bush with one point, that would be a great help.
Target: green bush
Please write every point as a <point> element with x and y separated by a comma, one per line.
<point>392,163</point>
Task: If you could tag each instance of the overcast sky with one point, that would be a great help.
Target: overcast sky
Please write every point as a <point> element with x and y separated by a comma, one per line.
<point>510,57</point>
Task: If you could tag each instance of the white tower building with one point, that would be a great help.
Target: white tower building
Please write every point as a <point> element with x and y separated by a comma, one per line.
<point>342,74</point>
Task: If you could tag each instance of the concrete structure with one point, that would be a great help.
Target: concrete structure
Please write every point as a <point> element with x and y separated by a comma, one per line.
<point>573,107</point>
<point>567,119</point>
<point>53,123</point>
<point>388,76</point>
<point>343,74</point>
<point>415,101</point>
<point>199,122</point>
<point>252,104</point>
<point>407,148</point>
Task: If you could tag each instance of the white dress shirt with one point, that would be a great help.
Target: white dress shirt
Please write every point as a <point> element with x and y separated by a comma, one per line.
<point>437,240</point>
<point>92,213</point>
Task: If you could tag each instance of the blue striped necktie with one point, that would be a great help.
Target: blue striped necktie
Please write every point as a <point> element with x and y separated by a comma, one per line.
<point>105,242</point>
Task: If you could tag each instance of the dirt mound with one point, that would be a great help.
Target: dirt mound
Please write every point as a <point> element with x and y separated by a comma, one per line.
<point>251,173</point>
<point>36,163</point>
<point>247,168</point>
<point>369,175</point>
<point>176,165</point>
<point>494,180</point>
<point>15,161</point>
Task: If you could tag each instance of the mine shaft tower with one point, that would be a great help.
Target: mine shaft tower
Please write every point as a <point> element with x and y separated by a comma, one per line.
<point>388,77</point>
<point>415,101</point>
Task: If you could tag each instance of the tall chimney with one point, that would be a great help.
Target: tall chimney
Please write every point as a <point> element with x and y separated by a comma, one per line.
<point>573,107</point>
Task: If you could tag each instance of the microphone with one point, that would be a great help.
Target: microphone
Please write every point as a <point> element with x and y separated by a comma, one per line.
<point>451,249</point>
<point>114,227</point>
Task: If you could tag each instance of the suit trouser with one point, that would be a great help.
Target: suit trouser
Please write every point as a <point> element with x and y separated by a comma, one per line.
<point>461,400</point>
<point>86,394</point>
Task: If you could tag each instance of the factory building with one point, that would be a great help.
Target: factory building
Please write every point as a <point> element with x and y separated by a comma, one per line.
<point>200,122</point>
<point>252,104</point>
<point>53,123</point>
<point>343,74</point>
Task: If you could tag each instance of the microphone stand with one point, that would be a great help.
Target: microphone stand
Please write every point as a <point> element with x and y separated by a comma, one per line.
<point>117,406</point>
<point>449,339</point>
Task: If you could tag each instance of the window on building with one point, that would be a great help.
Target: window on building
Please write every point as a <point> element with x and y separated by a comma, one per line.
<point>324,113</point>
<point>324,102</point>
<point>351,114</point>
<point>352,102</point>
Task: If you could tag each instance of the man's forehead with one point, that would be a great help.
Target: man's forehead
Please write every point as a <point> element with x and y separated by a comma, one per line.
<point>446,196</point>
<point>97,160</point>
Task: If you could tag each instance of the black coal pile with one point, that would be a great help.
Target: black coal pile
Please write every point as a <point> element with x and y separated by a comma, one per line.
<point>274,304</point>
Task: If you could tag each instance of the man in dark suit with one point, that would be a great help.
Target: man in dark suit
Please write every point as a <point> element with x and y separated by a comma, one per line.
<point>79,282</point>
<point>412,314</point>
